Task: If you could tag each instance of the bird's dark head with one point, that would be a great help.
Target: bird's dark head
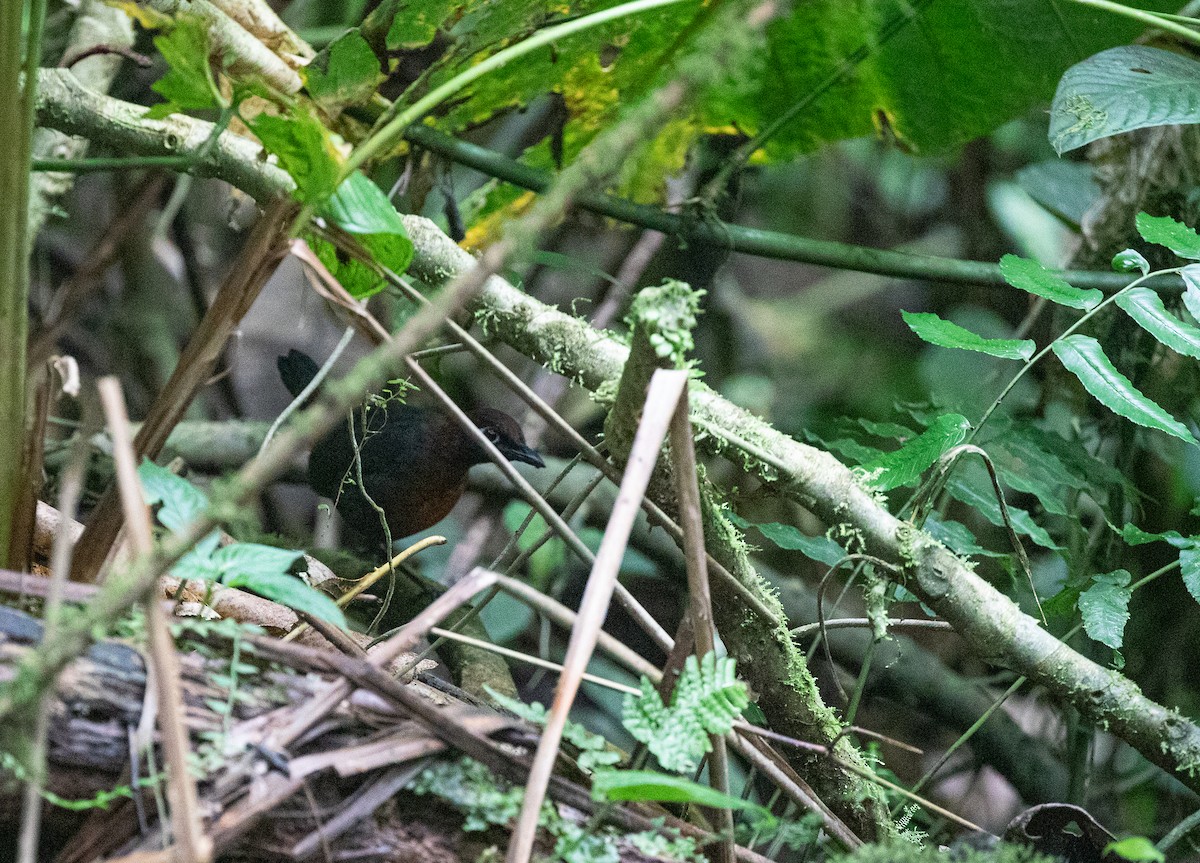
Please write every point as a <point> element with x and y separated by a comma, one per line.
<point>503,431</point>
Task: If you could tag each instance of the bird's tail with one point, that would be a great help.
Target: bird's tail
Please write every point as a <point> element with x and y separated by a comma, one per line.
<point>297,370</point>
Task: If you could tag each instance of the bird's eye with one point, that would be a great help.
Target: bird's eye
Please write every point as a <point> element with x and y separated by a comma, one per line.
<point>490,433</point>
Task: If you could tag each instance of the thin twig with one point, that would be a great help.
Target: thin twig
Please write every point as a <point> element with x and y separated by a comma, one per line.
<point>664,392</point>
<point>191,844</point>
<point>69,492</point>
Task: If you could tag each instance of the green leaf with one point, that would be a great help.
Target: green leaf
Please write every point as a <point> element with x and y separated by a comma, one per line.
<point>819,548</point>
<point>1136,848</point>
<point>349,74</point>
<point>905,465</point>
<point>1067,189</point>
<point>1191,289</point>
<point>593,749</point>
<point>1165,231</point>
<point>1019,472</point>
<point>1134,535</point>
<point>626,785</point>
<point>189,84</point>
<point>181,501</point>
<point>946,334</point>
<point>1085,358</point>
<point>707,698</point>
<point>359,207</point>
<point>1089,472</point>
<point>1189,566</point>
<point>1105,608</point>
<point>1130,260</point>
<point>290,591</point>
<point>851,69</point>
<point>249,558</point>
<point>306,150</point>
<point>198,563</point>
<point>1121,89</point>
<point>970,484</point>
<point>1033,278</point>
<point>956,537</point>
<point>1146,307</point>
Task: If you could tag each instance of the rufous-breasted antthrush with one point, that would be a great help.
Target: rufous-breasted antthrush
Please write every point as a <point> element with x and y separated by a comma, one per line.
<point>414,459</point>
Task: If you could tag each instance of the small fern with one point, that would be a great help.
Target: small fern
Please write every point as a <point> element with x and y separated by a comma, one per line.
<point>707,699</point>
<point>593,749</point>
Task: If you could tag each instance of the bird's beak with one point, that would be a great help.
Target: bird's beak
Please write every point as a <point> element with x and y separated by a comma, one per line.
<point>527,454</point>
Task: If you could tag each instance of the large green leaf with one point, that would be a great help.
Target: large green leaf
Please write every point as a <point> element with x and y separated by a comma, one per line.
<point>840,70</point>
<point>620,785</point>
<point>1085,358</point>
<point>1124,88</point>
<point>1146,307</point>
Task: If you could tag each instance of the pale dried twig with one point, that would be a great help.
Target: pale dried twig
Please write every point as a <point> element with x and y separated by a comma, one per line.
<point>663,394</point>
<point>191,844</point>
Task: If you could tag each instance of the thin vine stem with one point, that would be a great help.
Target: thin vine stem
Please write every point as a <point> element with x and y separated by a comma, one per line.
<point>1151,19</point>
<point>1071,329</point>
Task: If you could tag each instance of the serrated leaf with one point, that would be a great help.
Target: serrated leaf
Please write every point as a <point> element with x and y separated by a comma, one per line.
<point>707,698</point>
<point>1165,231</point>
<point>349,74</point>
<point>1189,567</point>
<point>846,447</point>
<point>905,465</point>
<point>956,537</point>
<point>305,149</point>
<point>892,431</point>
<point>1122,89</point>
<point>189,84</point>
<point>819,548</point>
<point>947,334</point>
<point>1191,289</point>
<point>290,591</point>
<point>1146,307</point>
<point>1134,535</point>
<point>1105,608</point>
<point>1090,472</point>
<point>1130,260</point>
<point>625,785</point>
<point>1033,278</point>
<point>1026,476</point>
<point>1085,358</point>
<point>970,484</point>
<point>181,501</point>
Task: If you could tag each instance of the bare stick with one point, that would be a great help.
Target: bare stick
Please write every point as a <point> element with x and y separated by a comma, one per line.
<point>687,488</point>
<point>192,845</point>
<point>69,493</point>
<point>665,388</point>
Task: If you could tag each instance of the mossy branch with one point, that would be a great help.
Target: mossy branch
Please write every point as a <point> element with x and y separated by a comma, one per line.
<point>991,622</point>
